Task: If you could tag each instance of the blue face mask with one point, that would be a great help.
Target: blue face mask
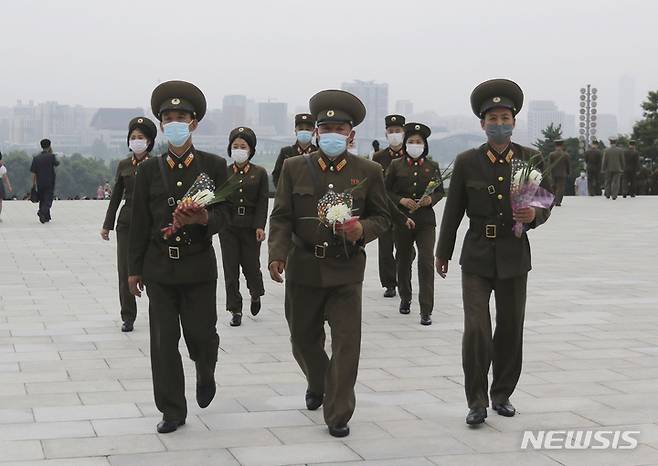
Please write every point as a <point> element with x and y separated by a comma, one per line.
<point>304,137</point>
<point>333,144</point>
<point>177,133</point>
<point>499,134</point>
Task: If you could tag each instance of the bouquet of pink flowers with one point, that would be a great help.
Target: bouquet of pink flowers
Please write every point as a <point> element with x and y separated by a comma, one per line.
<point>200,195</point>
<point>525,189</point>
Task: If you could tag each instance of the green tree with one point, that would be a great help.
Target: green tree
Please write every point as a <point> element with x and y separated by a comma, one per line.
<point>645,131</point>
<point>546,145</point>
<point>18,168</point>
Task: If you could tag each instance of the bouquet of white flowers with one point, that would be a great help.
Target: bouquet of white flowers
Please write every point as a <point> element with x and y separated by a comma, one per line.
<point>525,189</point>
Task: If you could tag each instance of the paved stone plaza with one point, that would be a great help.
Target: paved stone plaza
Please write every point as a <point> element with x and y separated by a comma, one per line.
<point>76,391</point>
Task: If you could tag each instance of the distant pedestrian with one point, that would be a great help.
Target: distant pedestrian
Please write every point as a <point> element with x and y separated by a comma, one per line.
<point>100,192</point>
<point>580,184</point>
<point>43,178</point>
<point>5,185</point>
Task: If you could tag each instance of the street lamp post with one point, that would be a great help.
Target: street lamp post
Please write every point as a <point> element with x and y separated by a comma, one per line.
<point>588,98</point>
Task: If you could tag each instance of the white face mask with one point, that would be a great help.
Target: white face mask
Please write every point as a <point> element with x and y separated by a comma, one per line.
<point>138,146</point>
<point>395,139</point>
<point>240,155</point>
<point>415,150</point>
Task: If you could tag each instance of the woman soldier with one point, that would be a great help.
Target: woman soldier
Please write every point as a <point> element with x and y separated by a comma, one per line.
<point>414,183</point>
<point>141,137</point>
<point>241,241</point>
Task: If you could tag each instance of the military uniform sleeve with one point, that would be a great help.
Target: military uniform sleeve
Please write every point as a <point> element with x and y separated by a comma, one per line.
<point>218,213</point>
<point>115,200</point>
<point>281,219</point>
<point>140,223</point>
<point>604,165</point>
<point>276,173</point>
<point>391,173</point>
<point>260,214</point>
<point>377,207</point>
<point>453,212</point>
<point>397,217</point>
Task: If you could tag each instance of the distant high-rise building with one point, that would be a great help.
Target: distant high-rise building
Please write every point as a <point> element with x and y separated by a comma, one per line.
<point>542,113</point>
<point>404,108</point>
<point>234,112</point>
<point>375,97</point>
<point>274,114</point>
<point>629,107</point>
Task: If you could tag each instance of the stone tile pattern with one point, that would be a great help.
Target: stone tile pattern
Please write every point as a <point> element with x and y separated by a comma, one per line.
<point>75,391</point>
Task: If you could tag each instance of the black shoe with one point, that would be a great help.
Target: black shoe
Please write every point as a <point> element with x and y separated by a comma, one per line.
<point>624,196</point>
<point>425,319</point>
<point>504,409</point>
<point>405,307</point>
<point>390,292</point>
<point>313,401</point>
<point>339,431</point>
<point>255,306</point>
<point>127,326</point>
<point>205,394</point>
<point>476,416</point>
<point>236,320</point>
<point>164,427</point>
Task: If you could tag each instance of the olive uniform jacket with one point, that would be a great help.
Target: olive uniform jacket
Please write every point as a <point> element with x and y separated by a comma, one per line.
<point>480,187</point>
<point>559,159</point>
<point>631,161</point>
<point>149,254</point>
<point>298,238</point>
<point>409,178</point>
<point>286,153</point>
<point>613,160</point>
<point>124,184</point>
<point>593,159</point>
<point>384,158</point>
<point>248,205</point>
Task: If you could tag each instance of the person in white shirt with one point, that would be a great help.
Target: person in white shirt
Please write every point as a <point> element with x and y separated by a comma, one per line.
<point>580,184</point>
<point>5,185</point>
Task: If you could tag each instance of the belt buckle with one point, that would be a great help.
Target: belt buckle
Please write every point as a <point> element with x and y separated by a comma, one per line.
<point>174,252</point>
<point>171,202</point>
<point>490,231</point>
<point>320,251</point>
<point>242,210</point>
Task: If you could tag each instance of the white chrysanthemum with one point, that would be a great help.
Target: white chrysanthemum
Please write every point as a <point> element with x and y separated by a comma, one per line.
<point>534,177</point>
<point>338,213</point>
<point>203,197</point>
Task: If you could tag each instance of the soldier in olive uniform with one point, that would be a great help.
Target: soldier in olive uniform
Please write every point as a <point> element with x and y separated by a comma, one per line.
<point>559,159</point>
<point>593,159</point>
<point>613,168</point>
<point>493,259</point>
<point>241,240</point>
<point>180,272</point>
<point>406,181</point>
<point>304,127</point>
<point>141,137</point>
<point>324,271</point>
<point>631,168</point>
<point>395,150</point>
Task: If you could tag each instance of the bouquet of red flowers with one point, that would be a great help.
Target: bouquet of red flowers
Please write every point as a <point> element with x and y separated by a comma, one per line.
<point>200,195</point>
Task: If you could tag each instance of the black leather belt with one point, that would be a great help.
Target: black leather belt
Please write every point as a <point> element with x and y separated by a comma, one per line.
<point>490,230</point>
<point>177,252</point>
<point>326,250</point>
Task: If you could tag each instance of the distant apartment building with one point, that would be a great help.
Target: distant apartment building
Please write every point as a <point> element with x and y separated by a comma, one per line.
<point>375,97</point>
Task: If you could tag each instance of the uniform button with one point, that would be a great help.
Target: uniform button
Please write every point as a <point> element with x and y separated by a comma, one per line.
<point>240,189</point>
<point>500,178</point>
<point>241,173</point>
<point>325,244</point>
<point>500,214</point>
<point>500,196</point>
<point>180,165</point>
<point>178,201</point>
<point>241,200</point>
<point>415,164</point>
<point>179,183</point>
<point>415,183</point>
<point>415,173</point>
<point>240,181</point>
<point>331,168</point>
<point>178,239</point>
<point>331,186</point>
<point>500,161</point>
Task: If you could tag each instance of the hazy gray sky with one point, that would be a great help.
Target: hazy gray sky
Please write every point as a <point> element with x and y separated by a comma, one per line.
<point>113,53</point>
